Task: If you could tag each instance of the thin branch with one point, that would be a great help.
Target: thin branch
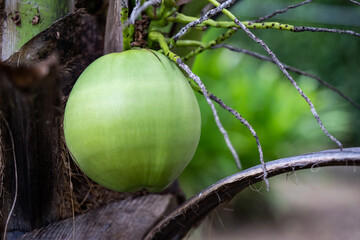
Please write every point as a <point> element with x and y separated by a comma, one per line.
<point>15,173</point>
<point>292,69</point>
<point>124,3</point>
<point>216,117</point>
<point>182,18</point>
<point>329,30</point>
<point>284,10</point>
<point>208,45</point>
<point>208,7</point>
<point>206,16</point>
<point>139,9</point>
<point>282,68</point>
<point>135,11</point>
<point>355,2</point>
<point>178,223</point>
<point>222,7</point>
<point>243,121</point>
<point>137,4</point>
<point>247,124</point>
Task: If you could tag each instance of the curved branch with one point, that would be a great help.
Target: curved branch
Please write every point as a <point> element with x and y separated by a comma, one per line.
<point>292,69</point>
<point>329,30</point>
<point>355,2</point>
<point>140,8</point>
<point>213,109</point>
<point>205,17</point>
<point>192,212</point>
<point>281,11</point>
<point>289,77</point>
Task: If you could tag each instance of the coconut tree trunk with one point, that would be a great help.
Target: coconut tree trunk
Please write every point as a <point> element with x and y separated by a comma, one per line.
<point>29,122</point>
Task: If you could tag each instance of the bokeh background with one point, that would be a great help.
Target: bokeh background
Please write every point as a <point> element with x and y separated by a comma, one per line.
<point>282,119</point>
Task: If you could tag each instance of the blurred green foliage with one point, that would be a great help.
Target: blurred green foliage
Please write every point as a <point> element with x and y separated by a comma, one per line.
<point>263,95</point>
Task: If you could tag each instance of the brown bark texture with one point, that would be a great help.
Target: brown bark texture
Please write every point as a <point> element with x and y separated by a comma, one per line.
<point>31,94</point>
<point>127,219</point>
<point>29,97</point>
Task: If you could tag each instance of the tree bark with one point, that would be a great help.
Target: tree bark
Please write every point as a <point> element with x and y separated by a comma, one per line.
<point>29,97</point>
<point>31,103</point>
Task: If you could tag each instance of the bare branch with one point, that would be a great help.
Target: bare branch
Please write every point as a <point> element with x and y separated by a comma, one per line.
<point>292,69</point>
<point>206,16</point>
<point>315,29</point>
<point>134,11</point>
<point>282,68</point>
<point>247,124</point>
<point>217,119</point>
<point>178,223</point>
<point>139,9</point>
<point>284,10</point>
<point>355,2</point>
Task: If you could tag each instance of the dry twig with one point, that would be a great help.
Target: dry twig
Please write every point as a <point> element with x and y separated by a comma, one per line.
<point>285,72</point>
<point>216,117</point>
<point>329,30</point>
<point>284,10</point>
<point>247,124</point>
<point>206,16</point>
<point>292,69</point>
